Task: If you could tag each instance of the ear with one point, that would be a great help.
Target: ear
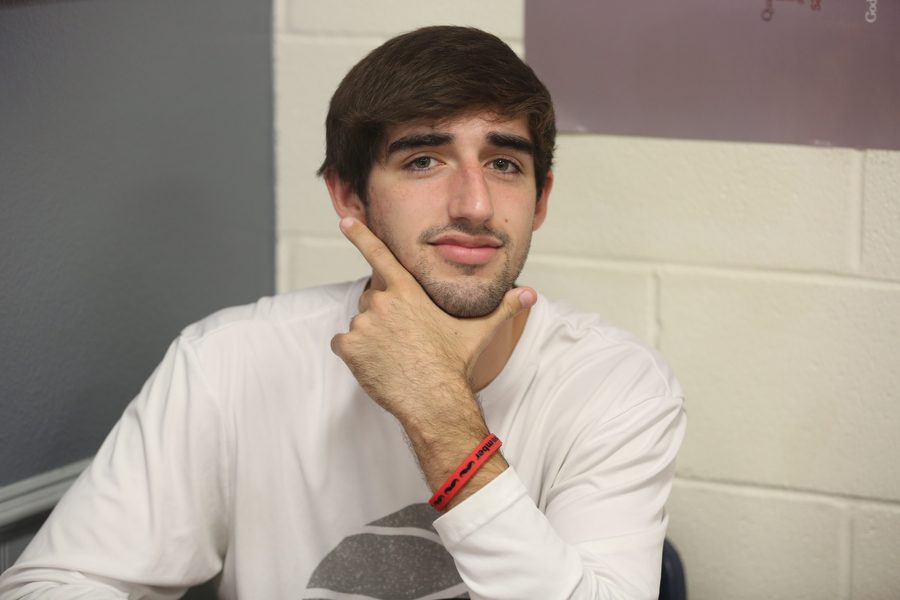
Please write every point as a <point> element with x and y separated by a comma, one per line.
<point>344,198</point>
<point>540,209</point>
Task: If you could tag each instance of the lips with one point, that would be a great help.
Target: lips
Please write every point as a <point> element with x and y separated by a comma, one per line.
<point>466,249</point>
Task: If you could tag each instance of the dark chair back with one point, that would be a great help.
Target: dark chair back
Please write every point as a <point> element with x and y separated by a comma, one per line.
<point>672,585</point>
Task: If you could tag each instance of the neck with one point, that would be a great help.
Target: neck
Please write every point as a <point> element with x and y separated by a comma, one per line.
<point>498,351</point>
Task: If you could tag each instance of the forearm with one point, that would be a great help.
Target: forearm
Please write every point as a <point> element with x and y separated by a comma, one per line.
<point>503,546</point>
<point>54,584</point>
<point>441,441</point>
<point>592,530</point>
<point>147,517</point>
<point>71,590</point>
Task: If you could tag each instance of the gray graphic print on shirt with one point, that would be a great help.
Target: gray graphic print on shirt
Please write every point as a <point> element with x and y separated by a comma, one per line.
<point>397,557</point>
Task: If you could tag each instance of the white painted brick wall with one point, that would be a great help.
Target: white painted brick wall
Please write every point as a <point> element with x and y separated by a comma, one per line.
<point>504,18</point>
<point>875,574</point>
<point>793,379</point>
<point>624,294</point>
<point>756,205</point>
<point>303,203</point>
<point>881,215</point>
<point>742,543</point>
<point>768,274</point>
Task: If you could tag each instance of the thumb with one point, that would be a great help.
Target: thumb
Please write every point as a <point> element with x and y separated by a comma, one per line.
<point>515,301</point>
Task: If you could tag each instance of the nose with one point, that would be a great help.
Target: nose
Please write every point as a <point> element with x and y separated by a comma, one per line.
<point>470,198</point>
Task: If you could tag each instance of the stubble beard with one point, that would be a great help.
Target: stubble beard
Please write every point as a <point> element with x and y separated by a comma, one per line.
<point>472,297</point>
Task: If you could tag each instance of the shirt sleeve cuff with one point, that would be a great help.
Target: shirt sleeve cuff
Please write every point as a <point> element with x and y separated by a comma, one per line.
<point>480,508</point>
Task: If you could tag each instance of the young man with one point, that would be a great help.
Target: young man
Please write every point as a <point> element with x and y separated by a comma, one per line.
<point>293,446</point>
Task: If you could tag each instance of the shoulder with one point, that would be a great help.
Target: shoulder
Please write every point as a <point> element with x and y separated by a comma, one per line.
<point>273,343</point>
<point>273,313</point>
<point>582,351</point>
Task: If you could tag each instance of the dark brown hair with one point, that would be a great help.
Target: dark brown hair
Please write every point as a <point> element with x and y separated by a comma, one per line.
<point>432,73</point>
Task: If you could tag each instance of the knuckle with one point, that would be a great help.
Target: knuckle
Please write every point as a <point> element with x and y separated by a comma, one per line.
<point>364,301</point>
<point>377,252</point>
<point>337,344</point>
<point>378,302</point>
<point>381,255</point>
<point>359,321</point>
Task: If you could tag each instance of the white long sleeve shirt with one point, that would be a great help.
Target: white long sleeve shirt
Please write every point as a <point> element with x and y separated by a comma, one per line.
<point>252,452</point>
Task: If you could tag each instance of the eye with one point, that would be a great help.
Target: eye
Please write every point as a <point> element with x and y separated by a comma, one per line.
<point>421,163</point>
<point>504,165</point>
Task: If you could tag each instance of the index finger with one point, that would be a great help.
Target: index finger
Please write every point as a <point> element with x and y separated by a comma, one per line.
<point>379,256</point>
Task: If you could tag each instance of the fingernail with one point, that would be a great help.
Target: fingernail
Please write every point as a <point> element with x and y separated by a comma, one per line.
<point>527,298</point>
<point>346,223</point>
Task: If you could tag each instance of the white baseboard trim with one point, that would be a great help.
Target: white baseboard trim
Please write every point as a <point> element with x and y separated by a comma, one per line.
<point>34,495</point>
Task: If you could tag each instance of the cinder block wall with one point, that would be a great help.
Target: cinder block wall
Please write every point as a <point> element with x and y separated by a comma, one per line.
<point>769,275</point>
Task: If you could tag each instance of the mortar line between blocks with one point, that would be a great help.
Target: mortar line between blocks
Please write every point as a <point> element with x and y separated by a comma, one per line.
<point>857,212</point>
<point>789,492</point>
<point>740,271</point>
<point>846,546</point>
<point>326,38</point>
<point>313,238</point>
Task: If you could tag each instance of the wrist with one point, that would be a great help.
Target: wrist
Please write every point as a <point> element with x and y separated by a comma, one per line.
<point>435,412</point>
<point>451,490</point>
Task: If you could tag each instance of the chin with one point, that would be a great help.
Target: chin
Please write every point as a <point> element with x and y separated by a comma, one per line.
<point>467,301</point>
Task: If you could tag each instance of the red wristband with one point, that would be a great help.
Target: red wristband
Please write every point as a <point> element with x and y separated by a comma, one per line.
<point>464,472</point>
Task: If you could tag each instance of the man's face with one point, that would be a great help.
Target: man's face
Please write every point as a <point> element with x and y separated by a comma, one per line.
<point>456,203</point>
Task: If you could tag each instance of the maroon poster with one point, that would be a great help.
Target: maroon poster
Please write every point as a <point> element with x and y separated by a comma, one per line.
<point>823,72</point>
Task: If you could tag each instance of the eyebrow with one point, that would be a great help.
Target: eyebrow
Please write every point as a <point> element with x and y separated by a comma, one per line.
<point>418,140</point>
<point>513,142</point>
<point>430,140</point>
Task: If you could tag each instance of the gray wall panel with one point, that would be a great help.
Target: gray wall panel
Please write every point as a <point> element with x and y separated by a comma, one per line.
<point>136,196</point>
